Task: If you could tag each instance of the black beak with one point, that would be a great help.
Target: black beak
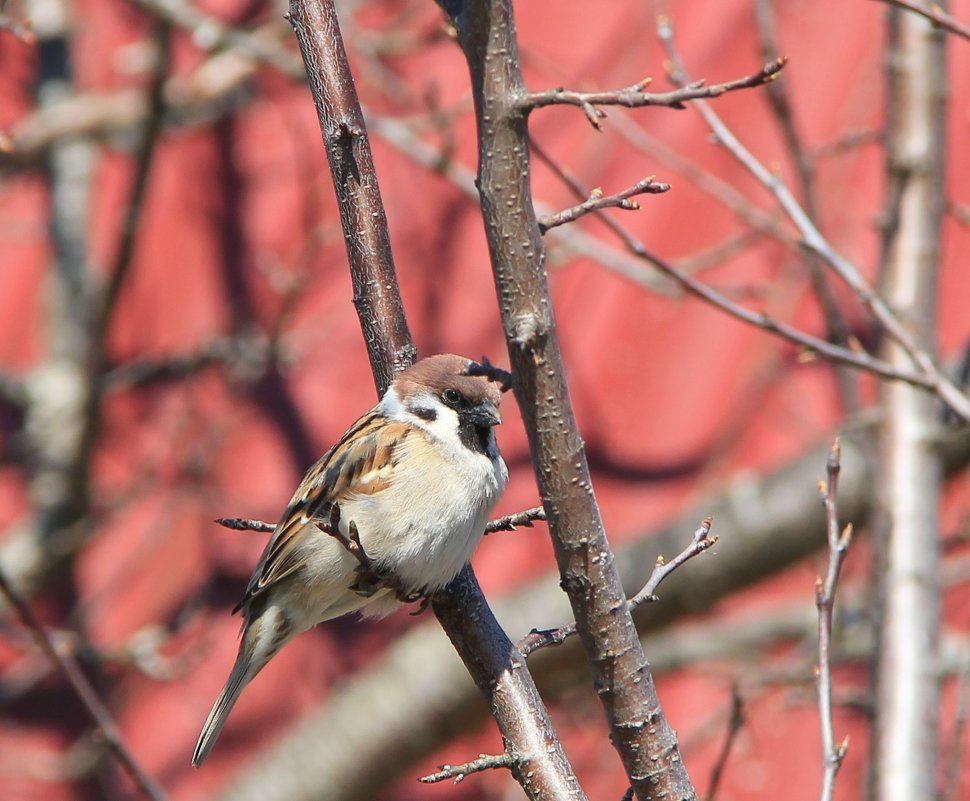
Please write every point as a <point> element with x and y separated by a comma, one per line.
<point>484,414</point>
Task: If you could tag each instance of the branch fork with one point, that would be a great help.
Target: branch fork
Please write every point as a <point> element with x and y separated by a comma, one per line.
<point>701,541</point>
<point>597,201</point>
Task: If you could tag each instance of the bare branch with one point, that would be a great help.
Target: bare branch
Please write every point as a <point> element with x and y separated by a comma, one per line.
<point>512,522</point>
<point>597,201</point>
<point>700,543</point>
<point>144,158</point>
<point>908,477</point>
<point>245,524</point>
<point>636,96</point>
<point>507,523</point>
<point>838,543</point>
<point>376,296</point>
<point>459,772</point>
<point>210,33</point>
<point>934,378</point>
<point>735,723</point>
<point>643,738</point>
<point>859,359</point>
<point>540,765</point>
<point>84,691</point>
<point>781,105</point>
<point>537,639</point>
<point>934,14</point>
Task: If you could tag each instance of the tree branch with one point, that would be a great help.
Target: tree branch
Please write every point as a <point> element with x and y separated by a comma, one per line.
<point>597,201</point>
<point>636,96</point>
<point>459,772</point>
<point>909,475</point>
<point>639,731</point>
<point>418,698</point>
<point>82,688</point>
<point>934,14</point>
<point>838,543</point>
<point>538,761</point>
<point>812,239</point>
<point>537,639</point>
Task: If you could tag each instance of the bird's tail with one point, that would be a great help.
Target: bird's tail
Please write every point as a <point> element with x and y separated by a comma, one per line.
<point>262,639</point>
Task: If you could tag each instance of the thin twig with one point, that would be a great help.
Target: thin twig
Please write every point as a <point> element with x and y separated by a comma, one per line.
<point>934,378</point>
<point>459,772</point>
<point>859,359</point>
<point>934,14</point>
<point>245,524</point>
<point>700,542</point>
<point>542,638</point>
<point>735,723</point>
<point>209,33</point>
<point>844,143</point>
<point>512,522</point>
<point>597,201</point>
<point>85,692</point>
<point>144,159</point>
<point>781,104</point>
<point>636,96</point>
<point>838,543</point>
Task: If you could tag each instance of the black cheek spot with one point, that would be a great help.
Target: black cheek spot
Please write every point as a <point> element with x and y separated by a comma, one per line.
<point>426,414</point>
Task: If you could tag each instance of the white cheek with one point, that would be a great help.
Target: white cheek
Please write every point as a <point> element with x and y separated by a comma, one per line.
<point>444,427</point>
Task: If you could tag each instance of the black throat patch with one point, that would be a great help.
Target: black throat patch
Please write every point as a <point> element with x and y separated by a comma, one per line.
<point>475,438</point>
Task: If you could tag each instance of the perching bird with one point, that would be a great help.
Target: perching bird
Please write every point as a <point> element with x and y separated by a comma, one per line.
<point>414,480</point>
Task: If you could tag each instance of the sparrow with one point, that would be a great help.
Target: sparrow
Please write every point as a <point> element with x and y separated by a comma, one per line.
<point>411,484</point>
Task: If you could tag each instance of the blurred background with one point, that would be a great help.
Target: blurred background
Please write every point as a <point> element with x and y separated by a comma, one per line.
<point>178,343</point>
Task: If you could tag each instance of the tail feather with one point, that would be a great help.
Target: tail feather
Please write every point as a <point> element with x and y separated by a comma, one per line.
<point>238,679</point>
<point>263,637</point>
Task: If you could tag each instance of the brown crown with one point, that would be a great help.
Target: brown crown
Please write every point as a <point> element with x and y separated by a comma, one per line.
<point>447,371</point>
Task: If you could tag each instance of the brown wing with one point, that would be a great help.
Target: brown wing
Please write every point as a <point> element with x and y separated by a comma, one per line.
<point>361,463</point>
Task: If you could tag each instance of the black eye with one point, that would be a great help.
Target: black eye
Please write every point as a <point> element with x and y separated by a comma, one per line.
<point>452,397</point>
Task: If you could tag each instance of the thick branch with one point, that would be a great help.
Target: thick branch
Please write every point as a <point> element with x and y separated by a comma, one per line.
<point>539,763</point>
<point>909,477</point>
<point>376,294</point>
<point>646,743</point>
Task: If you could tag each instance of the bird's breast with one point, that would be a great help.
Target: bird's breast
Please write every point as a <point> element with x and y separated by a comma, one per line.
<point>426,524</point>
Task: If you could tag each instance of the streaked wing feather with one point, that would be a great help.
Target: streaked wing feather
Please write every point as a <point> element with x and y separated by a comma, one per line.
<point>360,463</point>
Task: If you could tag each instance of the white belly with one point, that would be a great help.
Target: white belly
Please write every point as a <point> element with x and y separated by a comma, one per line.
<point>422,530</point>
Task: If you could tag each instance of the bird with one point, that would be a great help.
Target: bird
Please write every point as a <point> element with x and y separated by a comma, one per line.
<point>406,492</point>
